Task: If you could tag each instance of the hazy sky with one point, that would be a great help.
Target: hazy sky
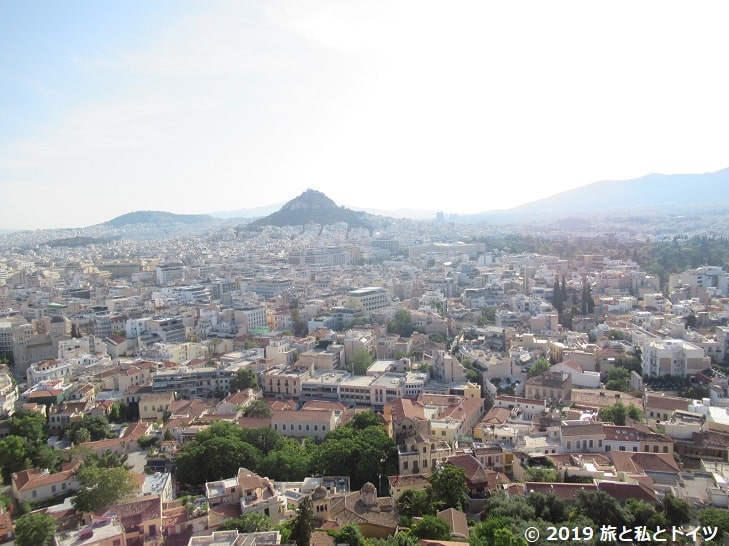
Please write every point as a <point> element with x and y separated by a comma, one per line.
<point>195,106</point>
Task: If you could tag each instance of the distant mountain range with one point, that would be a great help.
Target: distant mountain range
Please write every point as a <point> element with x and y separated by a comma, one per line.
<point>158,218</point>
<point>654,192</point>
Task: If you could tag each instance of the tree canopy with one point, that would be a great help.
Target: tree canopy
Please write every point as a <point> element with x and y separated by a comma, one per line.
<point>35,529</point>
<point>402,323</point>
<point>101,487</point>
<point>243,379</point>
<point>449,487</point>
<point>360,361</point>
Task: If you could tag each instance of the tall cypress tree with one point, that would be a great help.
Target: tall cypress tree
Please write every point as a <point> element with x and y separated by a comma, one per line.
<point>557,300</point>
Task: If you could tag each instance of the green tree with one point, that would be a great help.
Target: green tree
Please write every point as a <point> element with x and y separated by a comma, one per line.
<point>617,379</point>
<point>557,297</point>
<point>214,458</point>
<point>244,378</point>
<point>97,425</point>
<point>258,409</point>
<point>81,436</point>
<point>449,487</point>
<point>247,523</point>
<point>613,414</point>
<point>349,534</point>
<point>402,323</point>
<point>35,529</point>
<point>363,455</point>
<point>365,419</point>
<point>303,524</point>
<point>677,511</point>
<point>29,425</point>
<point>548,507</point>
<point>539,367</point>
<point>415,503</point>
<point>108,459</point>
<point>601,507</point>
<point>101,487</point>
<point>431,527</point>
<point>483,534</point>
<point>289,462</point>
<point>361,360</point>
<point>14,456</point>
<point>715,517</point>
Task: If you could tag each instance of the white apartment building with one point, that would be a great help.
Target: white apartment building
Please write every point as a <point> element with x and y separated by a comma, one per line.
<point>137,327</point>
<point>370,299</point>
<point>49,370</point>
<point>711,278</point>
<point>673,356</point>
<point>75,348</point>
<point>249,318</point>
<point>168,273</point>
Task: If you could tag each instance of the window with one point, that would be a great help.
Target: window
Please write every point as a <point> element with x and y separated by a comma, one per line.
<point>405,465</point>
<point>591,443</point>
<point>622,448</point>
<point>569,444</point>
<point>665,449</point>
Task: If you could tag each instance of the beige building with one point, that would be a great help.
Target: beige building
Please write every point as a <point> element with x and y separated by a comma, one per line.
<point>552,386</point>
<point>313,424</point>
<point>153,405</point>
<point>582,437</point>
<point>420,454</point>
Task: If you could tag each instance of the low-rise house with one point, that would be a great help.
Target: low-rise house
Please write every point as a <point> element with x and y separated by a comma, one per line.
<point>154,405</point>
<point>419,454</point>
<point>553,386</point>
<point>63,414</point>
<point>313,424</point>
<point>578,375</point>
<point>141,518</point>
<point>522,409</point>
<point>662,407</point>
<point>480,481</point>
<point>37,484</point>
<point>399,484</point>
<point>581,437</point>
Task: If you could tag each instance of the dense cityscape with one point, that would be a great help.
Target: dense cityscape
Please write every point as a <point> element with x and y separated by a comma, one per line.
<point>382,382</point>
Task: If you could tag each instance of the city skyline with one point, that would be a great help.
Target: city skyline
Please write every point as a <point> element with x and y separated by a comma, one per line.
<point>202,107</point>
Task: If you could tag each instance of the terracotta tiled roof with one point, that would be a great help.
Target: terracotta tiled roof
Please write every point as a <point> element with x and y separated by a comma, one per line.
<point>565,491</point>
<point>666,402</point>
<point>642,461</point>
<point>457,522</point>
<point>625,491</point>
